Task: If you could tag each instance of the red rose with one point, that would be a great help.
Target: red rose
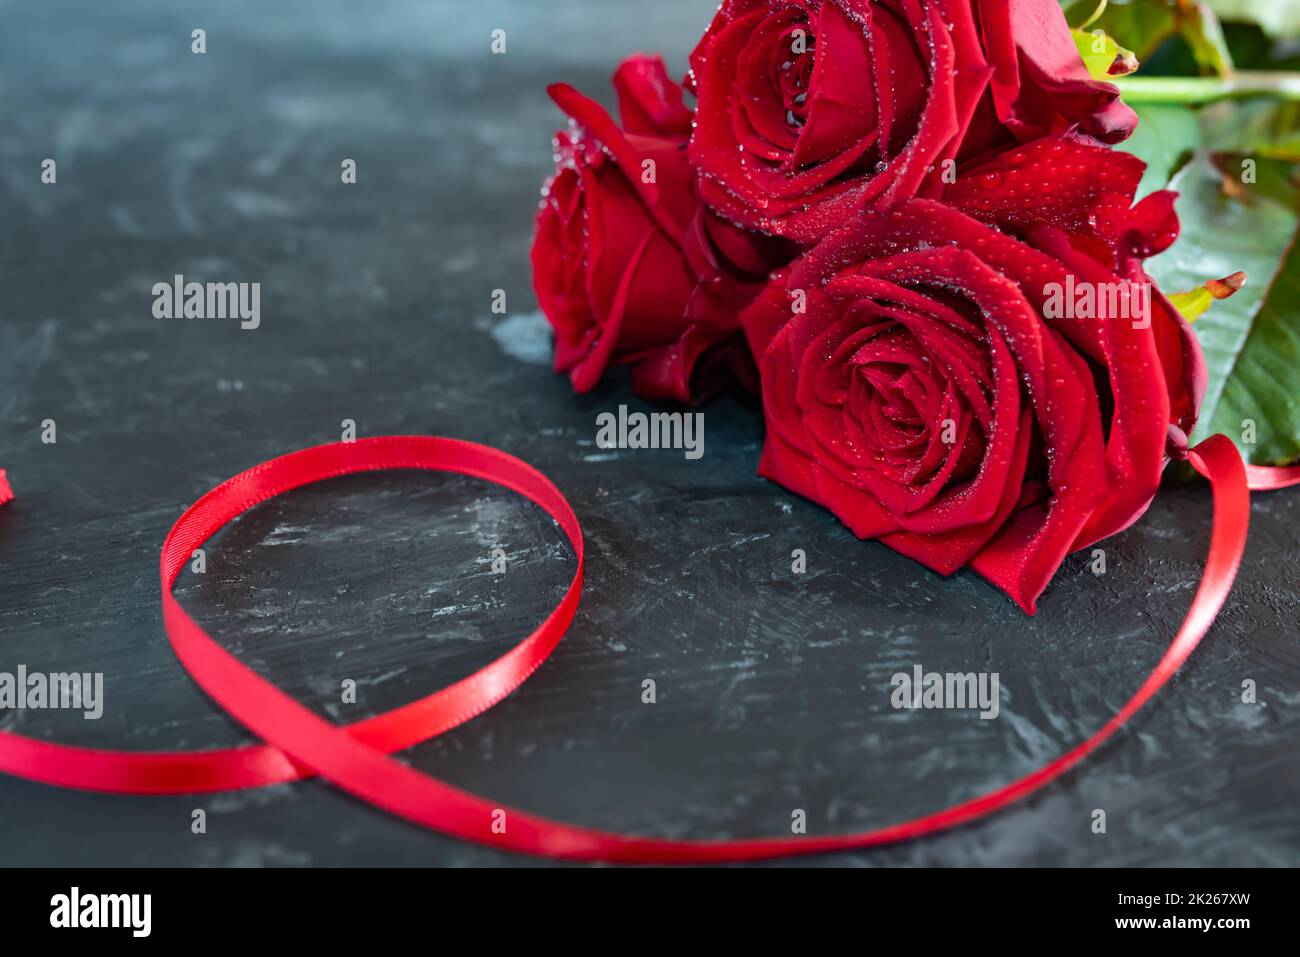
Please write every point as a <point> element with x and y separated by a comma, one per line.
<point>628,265</point>
<point>809,109</point>
<point>925,397</point>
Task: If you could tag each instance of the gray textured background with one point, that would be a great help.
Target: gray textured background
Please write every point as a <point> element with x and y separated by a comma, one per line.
<point>773,688</point>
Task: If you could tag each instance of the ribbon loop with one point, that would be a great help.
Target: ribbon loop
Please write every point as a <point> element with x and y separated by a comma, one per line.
<point>357,758</point>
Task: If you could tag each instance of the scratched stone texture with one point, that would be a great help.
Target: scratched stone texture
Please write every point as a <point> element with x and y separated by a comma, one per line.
<point>773,688</point>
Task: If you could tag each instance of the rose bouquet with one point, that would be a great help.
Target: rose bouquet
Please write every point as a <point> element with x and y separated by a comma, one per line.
<point>907,225</point>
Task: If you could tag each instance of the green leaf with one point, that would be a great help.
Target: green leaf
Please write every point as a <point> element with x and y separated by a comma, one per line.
<point>1204,34</point>
<point>1264,386</point>
<point>1281,18</point>
<point>1165,137</point>
<point>1251,341</point>
<point>1260,127</point>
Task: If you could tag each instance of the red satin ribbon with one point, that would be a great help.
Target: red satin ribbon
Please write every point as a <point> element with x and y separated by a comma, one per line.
<point>1264,478</point>
<point>356,757</point>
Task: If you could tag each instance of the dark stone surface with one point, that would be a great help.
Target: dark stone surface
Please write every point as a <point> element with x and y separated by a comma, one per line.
<point>773,689</point>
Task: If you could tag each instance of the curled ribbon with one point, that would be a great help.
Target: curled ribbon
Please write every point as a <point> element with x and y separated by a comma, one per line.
<point>357,757</point>
<point>1264,478</point>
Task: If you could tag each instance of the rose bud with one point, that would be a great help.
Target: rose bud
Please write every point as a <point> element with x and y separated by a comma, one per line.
<point>809,109</point>
<point>920,380</point>
<point>628,265</point>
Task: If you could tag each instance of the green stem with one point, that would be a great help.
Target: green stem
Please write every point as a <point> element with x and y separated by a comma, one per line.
<point>1194,90</point>
<point>1096,15</point>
